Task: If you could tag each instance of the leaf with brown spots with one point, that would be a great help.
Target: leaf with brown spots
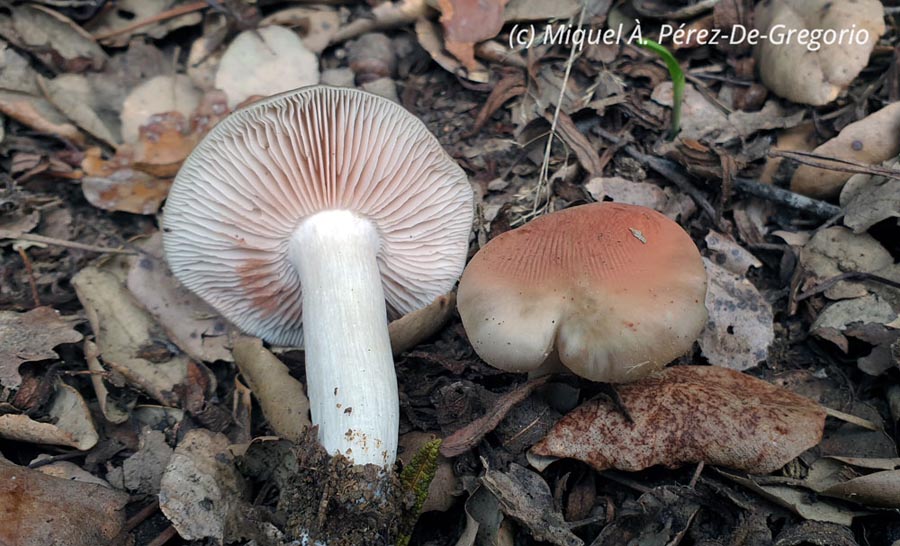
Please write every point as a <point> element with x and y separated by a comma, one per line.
<point>689,414</point>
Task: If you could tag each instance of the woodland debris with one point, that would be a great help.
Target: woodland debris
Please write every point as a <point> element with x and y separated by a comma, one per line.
<point>70,422</point>
<point>29,337</point>
<point>869,141</point>
<point>689,414</point>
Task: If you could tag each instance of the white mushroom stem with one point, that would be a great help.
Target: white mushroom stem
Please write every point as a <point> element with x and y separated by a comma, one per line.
<point>351,382</point>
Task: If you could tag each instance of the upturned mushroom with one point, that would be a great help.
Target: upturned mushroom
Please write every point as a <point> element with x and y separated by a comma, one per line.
<point>311,217</point>
<point>613,292</point>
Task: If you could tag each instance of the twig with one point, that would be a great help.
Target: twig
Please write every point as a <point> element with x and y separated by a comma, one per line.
<point>141,516</point>
<point>696,476</point>
<point>834,163</point>
<point>849,276</point>
<point>31,237</point>
<point>848,418</point>
<point>545,164</point>
<point>787,198</point>
<point>162,16</point>
<point>163,537</point>
<point>30,270</point>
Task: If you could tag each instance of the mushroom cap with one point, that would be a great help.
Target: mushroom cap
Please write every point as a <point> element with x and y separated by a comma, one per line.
<point>616,290</point>
<point>258,174</point>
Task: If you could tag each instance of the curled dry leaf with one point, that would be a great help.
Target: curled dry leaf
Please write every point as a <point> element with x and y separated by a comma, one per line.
<point>118,23</point>
<point>111,409</point>
<point>317,24</point>
<point>129,341</point>
<point>190,323</point>
<point>869,199</point>
<point>201,490</point>
<point>739,330</point>
<point>413,328</point>
<point>31,336</point>
<point>70,423</point>
<point>467,22</point>
<point>21,99</point>
<point>282,398</point>
<point>837,250</point>
<point>795,71</point>
<point>53,38</point>
<point>870,141</point>
<point>862,318</point>
<point>115,185</point>
<point>39,509</point>
<point>525,497</point>
<point>690,414</point>
<point>264,62</point>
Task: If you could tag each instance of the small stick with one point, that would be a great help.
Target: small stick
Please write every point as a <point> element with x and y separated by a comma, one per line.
<point>9,234</point>
<point>848,418</point>
<point>141,516</point>
<point>787,198</point>
<point>163,537</point>
<point>696,476</point>
<point>849,276</point>
<point>834,163</point>
<point>162,16</point>
<point>30,270</point>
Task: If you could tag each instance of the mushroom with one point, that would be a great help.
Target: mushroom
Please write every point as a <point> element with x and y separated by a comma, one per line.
<point>346,195</point>
<point>611,291</point>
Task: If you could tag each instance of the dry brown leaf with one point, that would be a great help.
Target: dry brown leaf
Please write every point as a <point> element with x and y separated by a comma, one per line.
<point>39,510</point>
<point>142,472</point>
<point>429,36</point>
<point>127,336</point>
<point>740,326</point>
<point>689,414</point>
<point>31,336</point>
<point>837,250</point>
<point>158,95</point>
<point>817,77</point>
<point>863,318</point>
<point>467,22</point>
<point>317,24</point>
<point>73,95</point>
<point>53,38</point>
<point>192,324</point>
<point>281,397</point>
<point>673,204</point>
<point>413,328</point>
<point>869,199</point>
<point>201,490</point>
<point>870,141</point>
<point>726,252</point>
<point>126,190</point>
<point>70,423</point>
<point>265,62</point>
<point>111,409</point>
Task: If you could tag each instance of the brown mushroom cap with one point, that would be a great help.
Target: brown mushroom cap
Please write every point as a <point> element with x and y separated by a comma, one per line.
<point>616,290</point>
<point>248,185</point>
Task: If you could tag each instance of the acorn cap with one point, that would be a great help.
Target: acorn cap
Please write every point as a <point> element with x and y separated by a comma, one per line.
<point>617,291</point>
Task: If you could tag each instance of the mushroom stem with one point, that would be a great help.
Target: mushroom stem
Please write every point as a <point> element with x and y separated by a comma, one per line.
<point>350,375</point>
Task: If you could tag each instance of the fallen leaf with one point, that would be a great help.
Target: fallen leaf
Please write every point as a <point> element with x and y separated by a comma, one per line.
<point>190,323</point>
<point>428,34</point>
<point>254,64</point>
<point>675,205</point>
<point>66,470</point>
<point>71,423</point>
<point>869,199</point>
<point>142,472</point>
<point>317,24</point>
<point>282,398</point>
<point>726,252</point>
<point>525,497</point>
<point>201,490</point>
<point>126,190</point>
<point>703,121</point>
<point>740,325</point>
<point>31,336</point>
<point>799,501</point>
<point>690,414</point>
<point>158,95</point>
<point>540,10</point>
<point>53,38</point>
<point>112,410</point>
<point>792,69</point>
<point>39,510</point>
<point>660,516</point>
<point>72,95</point>
<point>870,141</point>
<point>862,318</point>
<point>20,98</point>
<point>413,328</point>
<point>125,333</point>
<point>837,250</point>
<point>467,22</point>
